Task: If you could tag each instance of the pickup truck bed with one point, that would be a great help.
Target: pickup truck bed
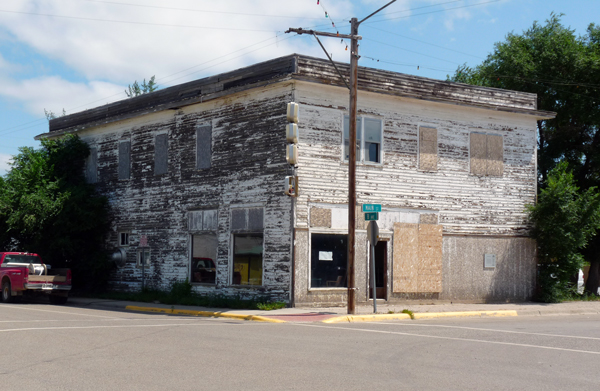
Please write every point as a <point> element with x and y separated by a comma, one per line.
<point>21,278</point>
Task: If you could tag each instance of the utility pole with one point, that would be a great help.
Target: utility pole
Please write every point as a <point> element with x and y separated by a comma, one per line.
<point>354,37</point>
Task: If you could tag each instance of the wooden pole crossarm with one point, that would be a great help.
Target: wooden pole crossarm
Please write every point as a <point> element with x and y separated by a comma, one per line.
<point>330,59</point>
<point>301,31</point>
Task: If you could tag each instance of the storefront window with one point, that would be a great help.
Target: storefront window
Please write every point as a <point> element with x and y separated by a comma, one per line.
<point>329,260</point>
<point>247,259</point>
<point>204,254</point>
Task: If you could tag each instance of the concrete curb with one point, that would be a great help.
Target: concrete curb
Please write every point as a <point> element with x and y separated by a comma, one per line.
<point>208,314</point>
<point>428,315</point>
<point>366,318</point>
<point>421,315</point>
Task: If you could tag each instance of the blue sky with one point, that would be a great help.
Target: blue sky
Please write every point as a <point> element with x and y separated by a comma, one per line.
<point>79,54</point>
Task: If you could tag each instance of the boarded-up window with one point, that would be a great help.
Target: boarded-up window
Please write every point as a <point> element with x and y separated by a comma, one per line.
<point>417,258</point>
<point>161,154</point>
<point>495,154</point>
<point>428,149</point>
<point>91,166</point>
<point>124,159</point>
<point>203,146</point>
<point>202,220</point>
<point>247,219</point>
<point>487,154</point>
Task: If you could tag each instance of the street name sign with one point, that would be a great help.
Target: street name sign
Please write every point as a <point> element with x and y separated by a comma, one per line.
<point>371,208</point>
<point>372,216</point>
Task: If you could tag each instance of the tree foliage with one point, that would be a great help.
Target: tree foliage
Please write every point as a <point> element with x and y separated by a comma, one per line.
<point>46,207</point>
<point>564,219</point>
<point>136,89</point>
<point>50,114</point>
<point>563,69</point>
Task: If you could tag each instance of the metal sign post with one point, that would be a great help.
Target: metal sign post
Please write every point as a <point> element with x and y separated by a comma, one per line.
<point>373,236</point>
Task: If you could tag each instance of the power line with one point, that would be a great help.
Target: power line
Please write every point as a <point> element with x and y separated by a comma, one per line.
<point>17,128</point>
<point>422,7</point>
<point>426,43</point>
<point>434,12</point>
<point>411,51</point>
<point>196,10</point>
<point>243,54</point>
<point>131,22</point>
<point>418,66</point>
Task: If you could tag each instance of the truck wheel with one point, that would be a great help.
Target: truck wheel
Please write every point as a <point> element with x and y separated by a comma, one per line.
<point>55,299</point>
<point>6,292</point>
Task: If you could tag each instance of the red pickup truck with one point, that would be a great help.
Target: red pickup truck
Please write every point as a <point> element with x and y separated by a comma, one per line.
<point>26,274</point>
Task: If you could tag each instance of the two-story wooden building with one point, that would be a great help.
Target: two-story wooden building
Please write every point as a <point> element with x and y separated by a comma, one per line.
<point>195,178</point>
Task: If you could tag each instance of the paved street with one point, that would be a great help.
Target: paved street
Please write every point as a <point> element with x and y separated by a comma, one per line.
<point>72,348</point>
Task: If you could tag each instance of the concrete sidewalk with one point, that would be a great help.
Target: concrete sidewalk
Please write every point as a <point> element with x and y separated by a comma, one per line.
<point>363,313</point>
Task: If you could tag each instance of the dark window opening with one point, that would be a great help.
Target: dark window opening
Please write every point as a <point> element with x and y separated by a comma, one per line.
<point>204,252</point>
<point>328,261</point>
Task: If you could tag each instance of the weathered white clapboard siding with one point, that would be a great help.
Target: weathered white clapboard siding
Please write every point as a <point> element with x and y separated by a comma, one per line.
<point>246,109</point>
<point>375,80</point>
<point>248,164</point>
<point>466,204</point>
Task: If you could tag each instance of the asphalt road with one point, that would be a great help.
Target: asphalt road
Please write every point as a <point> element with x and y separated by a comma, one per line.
<point>48,347</point>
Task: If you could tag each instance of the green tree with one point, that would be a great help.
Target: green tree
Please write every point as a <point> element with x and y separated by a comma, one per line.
<point>563,69</point>
<point>135,89</point>
<point>50,114</point>
<point>564,219</point>
<point>47,207</point>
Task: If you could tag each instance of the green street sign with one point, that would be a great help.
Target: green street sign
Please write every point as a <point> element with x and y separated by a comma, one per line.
<point>371,208</point>
<point>372,216</point>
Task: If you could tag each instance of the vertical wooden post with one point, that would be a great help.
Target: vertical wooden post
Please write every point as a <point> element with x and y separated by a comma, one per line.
<point>352,167</point>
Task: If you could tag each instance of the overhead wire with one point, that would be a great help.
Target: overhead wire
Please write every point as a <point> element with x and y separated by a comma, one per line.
<point>197,10</point>
<point>36,122</point>
<point>424,42</point>
<point>133,22</point>
<point>385,18</point>
<point>418,66</point>
<point>432,12</point>
<point>17,128</point>
<point>411,51</point>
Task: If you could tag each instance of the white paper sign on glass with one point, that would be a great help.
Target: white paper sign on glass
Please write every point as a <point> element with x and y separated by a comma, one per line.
<point>325,255</point>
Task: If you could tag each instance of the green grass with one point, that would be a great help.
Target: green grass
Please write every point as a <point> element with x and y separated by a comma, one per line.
<point>181,294</point>
<point>409,312</point>
<point>582,297</point>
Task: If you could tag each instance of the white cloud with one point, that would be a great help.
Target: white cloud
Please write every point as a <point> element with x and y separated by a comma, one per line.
<point>55,94</point>
<point>105,57</point>
<point>456,15</point>
<point>125,52</point>
<point>4,167</point>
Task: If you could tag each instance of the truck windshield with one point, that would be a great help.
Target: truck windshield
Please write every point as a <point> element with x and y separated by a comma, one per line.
<point>15,258</point>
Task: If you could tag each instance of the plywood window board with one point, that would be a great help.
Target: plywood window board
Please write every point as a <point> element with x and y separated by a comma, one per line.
<point>495,155</point>
<point>487,154</point>
<point>478,154</point>
<point>428,149</point>
<point>417,258</point>
<point>405,257</point>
